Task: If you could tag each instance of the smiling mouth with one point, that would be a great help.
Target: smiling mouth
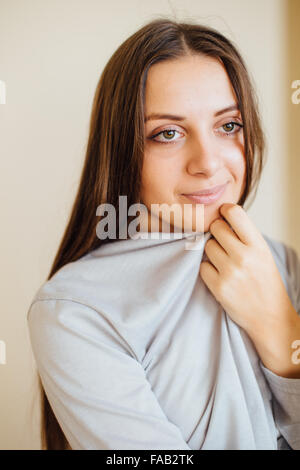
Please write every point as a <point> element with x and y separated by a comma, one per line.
<point>207,192</point>
<point>207,196</point>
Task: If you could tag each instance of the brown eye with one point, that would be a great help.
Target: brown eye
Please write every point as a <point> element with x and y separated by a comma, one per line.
<point>229,126</point>
<point>168,133</point>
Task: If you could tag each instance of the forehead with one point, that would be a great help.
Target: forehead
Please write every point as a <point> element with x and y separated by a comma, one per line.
<point>189,83</point>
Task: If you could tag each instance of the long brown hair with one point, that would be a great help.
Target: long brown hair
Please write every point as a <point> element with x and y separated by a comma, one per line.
<point>114,153</point>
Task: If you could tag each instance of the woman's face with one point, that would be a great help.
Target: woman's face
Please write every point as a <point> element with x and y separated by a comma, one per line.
<point>198,151</point>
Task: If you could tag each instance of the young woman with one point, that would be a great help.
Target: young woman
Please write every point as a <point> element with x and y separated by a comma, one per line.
<point>145,344</point>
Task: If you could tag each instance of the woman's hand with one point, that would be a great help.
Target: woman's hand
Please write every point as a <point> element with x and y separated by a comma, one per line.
<point>242,275</point>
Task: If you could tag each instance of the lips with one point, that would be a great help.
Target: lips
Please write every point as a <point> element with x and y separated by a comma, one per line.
<point>207,192</point>
<point>207,196</point>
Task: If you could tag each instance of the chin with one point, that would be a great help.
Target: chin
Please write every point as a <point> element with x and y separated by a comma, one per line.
<point>211,218</point>
<point>211,213</point>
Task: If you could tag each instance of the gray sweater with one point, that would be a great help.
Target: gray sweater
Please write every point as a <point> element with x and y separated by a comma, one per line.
<point>134,352</point>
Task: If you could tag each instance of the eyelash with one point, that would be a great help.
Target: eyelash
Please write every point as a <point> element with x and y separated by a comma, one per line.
<point>240,126</point>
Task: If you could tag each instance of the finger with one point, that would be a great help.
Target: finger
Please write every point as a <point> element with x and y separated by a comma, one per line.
<point>217,256</point>
<point>209,275</point>
<point>225,236</point>
<point>240,222</point>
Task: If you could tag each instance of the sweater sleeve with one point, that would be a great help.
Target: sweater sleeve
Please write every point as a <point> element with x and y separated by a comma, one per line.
<point>286,391</point>
<point>286,406</point>
<point>97,389</point>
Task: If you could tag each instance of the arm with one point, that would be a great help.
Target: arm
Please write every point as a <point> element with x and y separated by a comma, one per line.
<point>96,388</point>
<point>243,276</point>
<point>286,406</point>
<point>286,390</point>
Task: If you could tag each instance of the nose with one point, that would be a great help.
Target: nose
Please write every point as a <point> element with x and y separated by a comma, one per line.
<point>203,154</point>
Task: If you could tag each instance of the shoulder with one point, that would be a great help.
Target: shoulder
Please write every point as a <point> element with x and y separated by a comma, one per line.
<point>80,301</point>
<point>70,310</point>
<point>67,296</point>
<point>81,282</point>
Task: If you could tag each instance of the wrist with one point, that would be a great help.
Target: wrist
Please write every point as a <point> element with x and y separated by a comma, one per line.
<point>274,345</point>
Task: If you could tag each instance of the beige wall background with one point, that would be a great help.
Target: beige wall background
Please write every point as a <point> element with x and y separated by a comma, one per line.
<point>51,55</point>
<point>293,129</point>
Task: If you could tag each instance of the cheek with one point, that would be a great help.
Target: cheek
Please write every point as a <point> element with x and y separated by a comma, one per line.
<point>158,178</point>
<point>240,169</point>
<point>239,174</point>
<point>236,163</point>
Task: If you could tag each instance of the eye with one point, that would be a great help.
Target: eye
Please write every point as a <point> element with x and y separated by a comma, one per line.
<point>168,134</point>
<point>231,127</point>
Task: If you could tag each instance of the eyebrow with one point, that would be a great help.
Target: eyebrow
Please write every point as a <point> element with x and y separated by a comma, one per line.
<point>174,117</point>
